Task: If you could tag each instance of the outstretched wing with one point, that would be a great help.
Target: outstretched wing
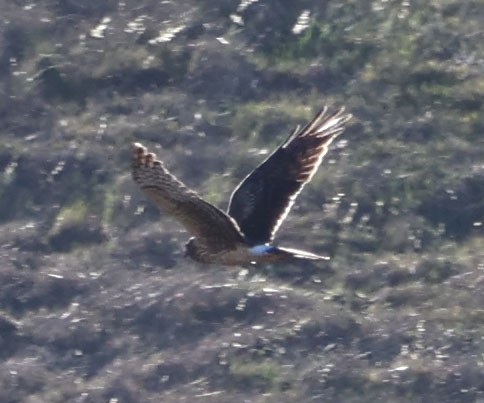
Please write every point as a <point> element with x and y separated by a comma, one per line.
<point>263,199</point>
<point>209,224</point>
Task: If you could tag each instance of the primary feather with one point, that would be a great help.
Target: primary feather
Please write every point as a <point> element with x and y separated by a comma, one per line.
<point>261,202</point>
<point>209,224</point>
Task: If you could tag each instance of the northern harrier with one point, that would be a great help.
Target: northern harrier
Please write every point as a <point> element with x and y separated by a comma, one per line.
<point>258,205</point>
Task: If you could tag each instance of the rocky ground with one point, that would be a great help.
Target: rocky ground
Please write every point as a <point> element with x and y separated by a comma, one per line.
<point>97,302</point>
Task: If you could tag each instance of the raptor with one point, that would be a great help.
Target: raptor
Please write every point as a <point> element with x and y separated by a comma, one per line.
<point>258,205</point>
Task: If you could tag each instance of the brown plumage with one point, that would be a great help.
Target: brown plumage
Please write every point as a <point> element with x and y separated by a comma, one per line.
<point>257,206</point>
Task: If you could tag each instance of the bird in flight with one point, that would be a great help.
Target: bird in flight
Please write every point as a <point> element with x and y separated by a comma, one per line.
<point>258,205</point>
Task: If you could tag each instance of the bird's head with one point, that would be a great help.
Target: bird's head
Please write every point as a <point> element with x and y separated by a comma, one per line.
<point>191,248</point>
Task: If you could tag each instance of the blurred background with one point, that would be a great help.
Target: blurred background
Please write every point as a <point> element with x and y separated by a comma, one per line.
<point>97,302</point>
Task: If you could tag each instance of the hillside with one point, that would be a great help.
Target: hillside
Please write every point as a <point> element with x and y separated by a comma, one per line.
<point>98,303</point>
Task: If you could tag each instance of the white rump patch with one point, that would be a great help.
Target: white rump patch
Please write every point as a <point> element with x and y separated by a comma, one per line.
<point>261,249</point>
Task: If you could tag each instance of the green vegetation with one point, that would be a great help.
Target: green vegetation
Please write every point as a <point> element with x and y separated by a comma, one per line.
<point>93,278</point>
<point>263,374</point>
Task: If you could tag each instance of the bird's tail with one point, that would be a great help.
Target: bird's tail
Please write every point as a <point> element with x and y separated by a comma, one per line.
<point>289,253</point>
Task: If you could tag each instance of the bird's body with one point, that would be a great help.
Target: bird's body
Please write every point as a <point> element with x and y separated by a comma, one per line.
<point>257,206</point>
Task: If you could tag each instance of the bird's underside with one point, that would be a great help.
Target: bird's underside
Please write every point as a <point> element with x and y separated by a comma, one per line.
<point>258,205</point>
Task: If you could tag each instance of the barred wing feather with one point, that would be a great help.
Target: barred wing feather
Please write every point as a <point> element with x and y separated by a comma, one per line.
<point>209,224</point>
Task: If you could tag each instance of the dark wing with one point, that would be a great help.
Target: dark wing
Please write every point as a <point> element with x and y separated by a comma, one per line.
<point>263,199</point>
<point>209,224</point>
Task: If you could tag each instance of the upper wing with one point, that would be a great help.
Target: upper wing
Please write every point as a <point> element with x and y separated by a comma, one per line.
<point>263,199</point>
<point>209,224</point>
